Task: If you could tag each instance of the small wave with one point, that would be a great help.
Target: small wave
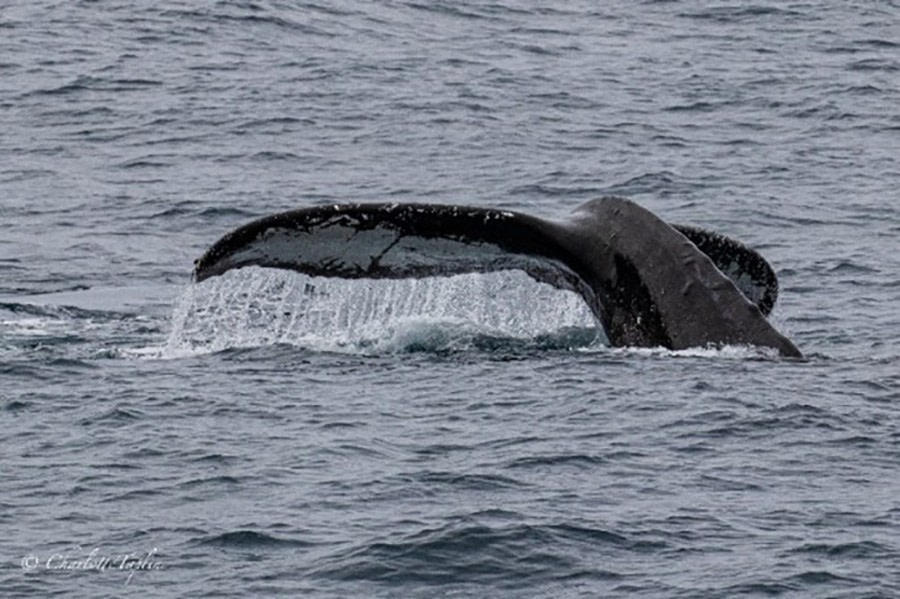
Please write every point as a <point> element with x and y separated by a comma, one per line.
<point>275,120</point>
<point>817,577</point>
<point>662,182</point>
<point>740,13</point>
<point>452,9</point>
<point>114,416</point>
<point>215,458</point>
<point>852,550</point>
<point>472,482</point>
<point>846,266</point>
<point>726,352</point>
<point>700,106</point>
<point>27,174</point>
<point>270,155</point>
<point>276,22</point>
<point>507,556</point>
<point>152,161</point>
<point>190,208</point>
<point>585,462</point>
<point>875,64</point>
<point>249,539</point>
<point>65,338</point>
<point>88,83</point>
<point>217,483</point>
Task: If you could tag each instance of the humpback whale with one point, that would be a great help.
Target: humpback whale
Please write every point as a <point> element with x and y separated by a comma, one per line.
<point>648,283</point>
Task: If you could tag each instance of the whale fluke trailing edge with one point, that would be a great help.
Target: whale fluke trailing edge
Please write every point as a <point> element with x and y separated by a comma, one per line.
<point>647,282</point>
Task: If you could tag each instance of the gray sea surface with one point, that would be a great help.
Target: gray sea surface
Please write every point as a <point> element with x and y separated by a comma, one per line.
<point>471,437</point>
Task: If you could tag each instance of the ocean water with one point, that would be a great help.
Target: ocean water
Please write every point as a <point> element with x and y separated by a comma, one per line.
<point>465,437</point>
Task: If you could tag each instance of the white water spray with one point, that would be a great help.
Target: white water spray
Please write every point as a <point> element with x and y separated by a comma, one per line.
<point>255,307</point>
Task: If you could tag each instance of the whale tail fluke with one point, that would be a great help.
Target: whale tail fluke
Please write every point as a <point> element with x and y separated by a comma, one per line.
<point>648,283</point>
